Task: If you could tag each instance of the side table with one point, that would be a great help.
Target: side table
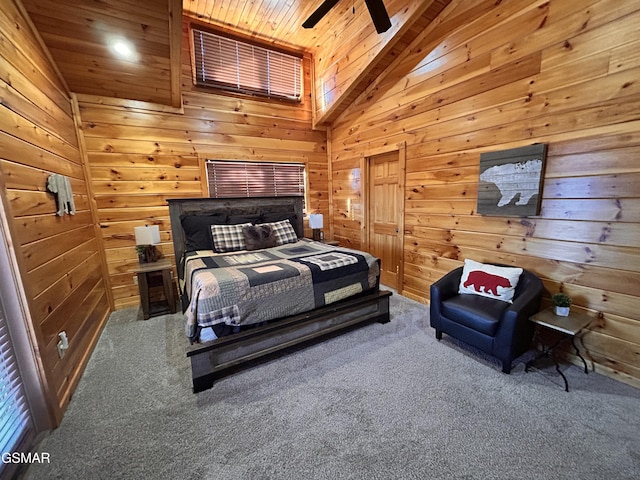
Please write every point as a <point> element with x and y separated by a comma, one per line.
<point>148,275</point>
<point>569,327</point>
<point>333,243</point>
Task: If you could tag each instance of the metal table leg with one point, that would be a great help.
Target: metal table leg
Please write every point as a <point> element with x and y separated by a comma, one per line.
<point>578,354</point>
<point>551,351</point>
<point>566,383</point>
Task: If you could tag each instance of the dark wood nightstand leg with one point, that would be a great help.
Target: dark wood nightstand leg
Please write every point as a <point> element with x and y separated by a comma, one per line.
<point>168,290</point>
<point>143,285</point>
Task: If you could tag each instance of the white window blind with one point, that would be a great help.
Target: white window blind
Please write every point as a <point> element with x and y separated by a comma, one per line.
<point>246,68</point>
<point>15,416</point>
<point>254,179</point>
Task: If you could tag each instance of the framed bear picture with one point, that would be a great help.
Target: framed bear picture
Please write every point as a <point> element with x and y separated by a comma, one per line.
<point>511,181</point>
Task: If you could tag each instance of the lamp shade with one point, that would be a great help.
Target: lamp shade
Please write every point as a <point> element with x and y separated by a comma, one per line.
<point>315,220</point>
<point>147,235</point>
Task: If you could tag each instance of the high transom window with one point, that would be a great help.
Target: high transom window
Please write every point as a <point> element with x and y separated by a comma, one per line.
<point>254,179</point>
<point>242,67</point>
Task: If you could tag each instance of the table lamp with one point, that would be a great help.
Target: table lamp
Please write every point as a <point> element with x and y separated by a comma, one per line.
<point>146,239</point>
<point>316,223</point>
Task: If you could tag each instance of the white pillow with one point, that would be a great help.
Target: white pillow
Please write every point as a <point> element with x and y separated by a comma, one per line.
<point>489,280</point>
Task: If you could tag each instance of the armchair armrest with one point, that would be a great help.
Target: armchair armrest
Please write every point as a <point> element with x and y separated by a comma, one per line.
<point>515,329</point>
<point>447,286</point>
<point>440,290</point>
<point>528,301</point>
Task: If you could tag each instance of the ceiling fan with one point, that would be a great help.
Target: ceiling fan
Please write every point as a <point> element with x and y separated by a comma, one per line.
<point>376,8</point>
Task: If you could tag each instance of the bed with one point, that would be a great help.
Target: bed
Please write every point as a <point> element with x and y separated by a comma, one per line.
<point>246,295</point>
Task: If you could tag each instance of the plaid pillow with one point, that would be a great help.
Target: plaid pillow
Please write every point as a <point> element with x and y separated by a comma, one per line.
<point>228,238</point>
<point>284,232</point>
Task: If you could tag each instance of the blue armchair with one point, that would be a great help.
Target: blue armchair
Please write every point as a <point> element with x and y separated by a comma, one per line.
<point>498,328</point>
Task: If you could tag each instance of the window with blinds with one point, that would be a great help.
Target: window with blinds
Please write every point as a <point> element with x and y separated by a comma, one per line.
<point>241,67</point>
<point>254,179</point>
<point>15,418</point>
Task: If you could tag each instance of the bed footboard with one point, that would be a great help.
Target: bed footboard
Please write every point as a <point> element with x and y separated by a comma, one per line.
<point>220,357</point>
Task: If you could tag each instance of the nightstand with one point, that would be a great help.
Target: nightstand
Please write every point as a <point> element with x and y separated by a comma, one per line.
<point>333,243</point>
<point>151,275</point>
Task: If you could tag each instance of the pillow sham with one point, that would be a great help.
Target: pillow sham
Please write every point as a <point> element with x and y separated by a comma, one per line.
<point>228,238</point>
<point>197,230</point>
<point>270,217</point>
<point>259,236</point>
<point>284,232</point>
<point>237,219</point>
<point>489,280</point>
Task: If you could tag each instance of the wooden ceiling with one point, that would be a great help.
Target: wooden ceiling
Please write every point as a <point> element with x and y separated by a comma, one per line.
<point>80,35</point>
<point>278,21</point>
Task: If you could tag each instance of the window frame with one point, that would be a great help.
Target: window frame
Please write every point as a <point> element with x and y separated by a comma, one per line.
<point>230,89</point>
<point>19,337</point>
<point>303,184</point>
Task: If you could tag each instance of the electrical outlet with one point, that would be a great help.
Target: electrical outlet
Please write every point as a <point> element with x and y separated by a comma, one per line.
<point>135,279</point>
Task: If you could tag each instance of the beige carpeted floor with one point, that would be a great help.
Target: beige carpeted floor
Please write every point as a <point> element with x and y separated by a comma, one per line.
<point>380,402</point>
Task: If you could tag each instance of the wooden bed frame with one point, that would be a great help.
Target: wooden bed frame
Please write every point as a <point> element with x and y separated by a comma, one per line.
<point>220,357</point>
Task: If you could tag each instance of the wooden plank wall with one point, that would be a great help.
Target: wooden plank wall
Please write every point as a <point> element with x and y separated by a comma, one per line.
<point>140,154</point>
<point>495,75</point>
<point>59,257</point>
<point>346,51</point>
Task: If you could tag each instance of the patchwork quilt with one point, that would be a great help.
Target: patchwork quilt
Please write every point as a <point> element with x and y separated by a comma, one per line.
<point>248,287</point>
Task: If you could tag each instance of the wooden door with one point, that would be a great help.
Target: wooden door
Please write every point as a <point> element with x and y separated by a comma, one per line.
<point>385,211</point>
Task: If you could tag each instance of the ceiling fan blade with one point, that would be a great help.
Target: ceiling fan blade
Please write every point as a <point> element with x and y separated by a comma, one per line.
<point>379,15</point>
<point>320,12</point>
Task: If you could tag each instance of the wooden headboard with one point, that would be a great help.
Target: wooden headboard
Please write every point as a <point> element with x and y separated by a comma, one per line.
<point>287,206</point>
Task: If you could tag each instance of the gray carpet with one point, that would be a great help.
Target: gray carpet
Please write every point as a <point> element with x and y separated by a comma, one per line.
<point>380,402</point>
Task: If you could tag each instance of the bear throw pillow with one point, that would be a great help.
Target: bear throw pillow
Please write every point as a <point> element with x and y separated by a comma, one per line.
<point>489,280</point>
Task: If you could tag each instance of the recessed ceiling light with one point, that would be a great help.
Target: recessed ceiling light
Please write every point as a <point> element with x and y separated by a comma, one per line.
<point>123,49</point>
